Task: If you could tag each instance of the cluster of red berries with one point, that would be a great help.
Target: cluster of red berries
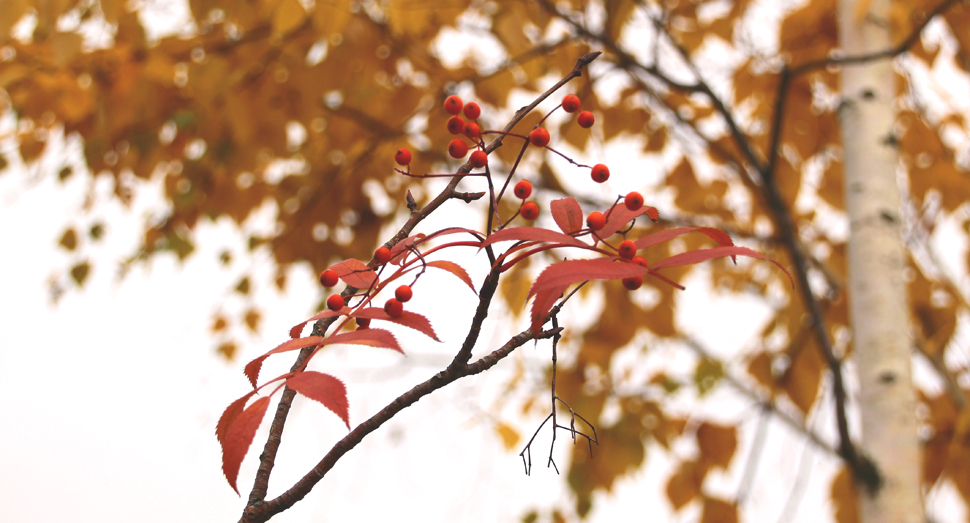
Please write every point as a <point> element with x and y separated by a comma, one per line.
<point>394,307</point>
<point>458,148</point>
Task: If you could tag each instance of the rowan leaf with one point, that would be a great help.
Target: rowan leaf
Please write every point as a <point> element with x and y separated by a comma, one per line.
<point>325,389</point>
<point>239,436</point>
<point>409,319</point>
<point>297,329</point>
<point>543,304</point>
<point>252,368</point>
<point>355,273</point>
<point>721,237</point>
<point>618,216</point>
<point>574,271</point>
<point>455,269</point>
<point>699,255</point>
<point>230,414</point>
<point>536,234</point>
<point>568,214</point>
<point>371,337</point>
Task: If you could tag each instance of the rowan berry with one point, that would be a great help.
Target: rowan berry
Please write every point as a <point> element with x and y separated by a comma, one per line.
<point>453,104</point>
<point>633,282</point>
<point>596,220</point>
<point>472,130</point>
<point>585,119</point>
<point>403,293</point>
<point>362,323</point>
<point>633,201</point>
<point>456,125</point>
<point>335,302</point>
<point>478,159</point>
<point>382,255</point>
<point>570,103</point>
<point>529,211</point>
<point>402,156</point>
<point>329,278</point>
<point>394,308</point>
<point>458,148</point>
<point>627,249</point>
<point>600,173</point>
<point>640,260</point>
<point>522,189</point>
<point>472,111</point>
<point>539,137</point>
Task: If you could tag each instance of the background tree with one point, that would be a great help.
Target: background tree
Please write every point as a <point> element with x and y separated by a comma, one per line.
<point>300,107</point>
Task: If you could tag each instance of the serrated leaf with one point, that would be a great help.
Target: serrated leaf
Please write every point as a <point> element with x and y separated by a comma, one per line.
<point>239,436</point>
<point>230,414</point>
<point>252,368</point>
<point>297,329</point>
<point>699,255</point>
<point>355,273</point>
<point>721,237</point>
<point>380,338</point>
<point>568,214</point>
<point>455,269</point>
<point>543,304</point>
<point>617,217</point>
<point>325,389</point>
<point>536,234</point>
<point>408,319</point>
<point>400,249</point>
<point>574,271</point>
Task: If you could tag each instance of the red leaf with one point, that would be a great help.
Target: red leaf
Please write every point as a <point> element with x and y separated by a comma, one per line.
<point>355,273</point>
<point>721,237</point>
<point>699,255</point>
<point>370,337</point>
<point>574,271</point>
<point>324,388</point>
<point>617,218</point>
<point>537,234</point>
<point>252,368</point>
<point>230,414</point>
<point>407,318</point>
<point>239,437</point>
<point>297,329</point>
<point>400,249</point>
<point>568,214</point>
<point>543,304</point>
<point>455,269</point>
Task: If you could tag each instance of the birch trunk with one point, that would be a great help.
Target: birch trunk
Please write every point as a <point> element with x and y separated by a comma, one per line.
<point>877,292</point>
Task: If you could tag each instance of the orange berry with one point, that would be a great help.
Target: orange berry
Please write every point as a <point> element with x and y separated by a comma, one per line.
<point>596,220</point>
<point>394,308</point>
<point>382,255</point>
<point>640,260</point>
<point>522,189</point>
<point>456,125</point>
<point>633,201</point>
<point>539,137</point>
<point>472,111</point>
<point>633,282</point>
<point>329,278</point>
<point>453,104</point>
<point>478,159</point>
<point>472,130</point>
<point>402,156</point>
<point>600,173</point>
<point>627,249</point>
<point>570,103</point>
<point>585,119</point>
<point>362,323</point>
<point>458,148</point>
<point>335,302</point>
<point>529,211</point>
<point>403,293</point>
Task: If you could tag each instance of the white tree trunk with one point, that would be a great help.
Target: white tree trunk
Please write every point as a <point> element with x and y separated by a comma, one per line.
<point>877,292</point>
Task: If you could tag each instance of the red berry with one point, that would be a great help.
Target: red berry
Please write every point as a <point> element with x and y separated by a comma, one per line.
<point>585,119</point>
<point>472,111</point>
<point>600,173</point>
<point>596,220</point>
<point>382,255</point>
<point>640,260</point>
<point>522,189</point>
<point>539,137</point>
<point>478,159</point>
<point>458,148</point>
<point>362,323</point>
<point>329,278</point>
<point>394,308</point>
<point>456,125</point>
<point>472,130</point>
<point>403,293</point>
<point>529,211</point>
<point>627,249</point>
<point>633,282</point>
<point>335,302</point>
<point>402,156</point>
<point>453,104</point>
<point>570,103</point>
<point>633,201</point>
